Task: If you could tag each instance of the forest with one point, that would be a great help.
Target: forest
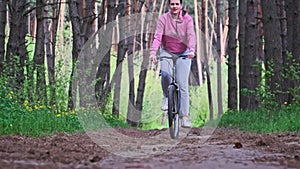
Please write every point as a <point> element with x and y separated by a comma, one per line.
<point>78,90</point>
<point>86,54</point>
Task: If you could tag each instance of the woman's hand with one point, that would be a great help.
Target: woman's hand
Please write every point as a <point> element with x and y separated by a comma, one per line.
<point>191,55</point>
<point>153,59</point>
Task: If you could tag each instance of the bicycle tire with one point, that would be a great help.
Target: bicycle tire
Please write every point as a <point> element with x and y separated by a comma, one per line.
<point>173,114</point>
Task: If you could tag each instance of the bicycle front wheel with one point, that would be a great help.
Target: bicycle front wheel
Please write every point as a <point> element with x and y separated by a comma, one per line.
<point>173,114</point>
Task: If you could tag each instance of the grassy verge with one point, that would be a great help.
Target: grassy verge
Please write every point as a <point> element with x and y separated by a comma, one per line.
<point>286,119</point>
<point>36,121</point>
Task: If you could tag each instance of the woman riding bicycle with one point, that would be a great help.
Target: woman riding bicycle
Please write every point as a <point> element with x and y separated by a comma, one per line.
<point>175,34</point>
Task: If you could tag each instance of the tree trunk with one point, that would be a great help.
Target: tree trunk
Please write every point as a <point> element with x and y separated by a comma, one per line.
<point>138,27</point>
<point>133,112</point>
<point>232,47</point>
<point>39,54</point>
<point>89,19</point>
<point>61,17</point>
<point>162,7</point>
<point>87,30</point>
<point>289,8</point>
<point>102,86</point>
<point>77,45</point>
<point>219,67</point>
<point>196,66</point>
<point>205,46</point>
<point>49,54</point>
<point>285,63</point>
<point>296,49</point>
<point>51,58</point>
<point>152,24</point>
<point>290,11</point>
<point>16,53</point>
<point>260,32</point>
<point>120,58</point>
<point>296,32</point>
<point>250,78</point>
<point>3,13</point>
<point>273,47</point>
<point>144,66</point>
<point>241,38</point>
<point>102,12</point>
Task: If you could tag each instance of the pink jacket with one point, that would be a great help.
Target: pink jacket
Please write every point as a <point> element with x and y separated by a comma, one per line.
<point>174,36</point>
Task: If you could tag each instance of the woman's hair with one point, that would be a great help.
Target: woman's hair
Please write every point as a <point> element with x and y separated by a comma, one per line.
<point>180,1</point>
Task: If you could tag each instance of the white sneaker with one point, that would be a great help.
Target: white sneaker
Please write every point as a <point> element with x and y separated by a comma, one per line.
<point>164,106</point>
<point>185,122</point>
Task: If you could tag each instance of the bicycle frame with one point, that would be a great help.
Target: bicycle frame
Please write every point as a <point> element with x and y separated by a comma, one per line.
<point>174,59</point>
<point>173,98</point>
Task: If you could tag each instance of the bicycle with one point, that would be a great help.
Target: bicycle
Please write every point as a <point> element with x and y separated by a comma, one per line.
<point>173,98</point>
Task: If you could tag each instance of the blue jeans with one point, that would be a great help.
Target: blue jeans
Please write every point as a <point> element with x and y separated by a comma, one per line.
<point>183,66</point>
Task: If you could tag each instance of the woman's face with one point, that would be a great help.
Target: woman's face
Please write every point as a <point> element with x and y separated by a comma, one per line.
<point>175,7</point>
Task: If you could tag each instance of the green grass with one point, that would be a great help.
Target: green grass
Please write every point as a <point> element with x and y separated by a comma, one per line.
<point>283,120</point>
<point>35,120</point>
<point>37,123</point>
<point>16,118</point>
<point>38,120</point>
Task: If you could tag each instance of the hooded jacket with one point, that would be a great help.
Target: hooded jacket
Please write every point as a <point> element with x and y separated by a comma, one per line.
<point>175,36</point>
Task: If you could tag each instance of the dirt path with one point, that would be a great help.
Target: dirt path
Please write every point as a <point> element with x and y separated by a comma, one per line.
<point>225,148</point>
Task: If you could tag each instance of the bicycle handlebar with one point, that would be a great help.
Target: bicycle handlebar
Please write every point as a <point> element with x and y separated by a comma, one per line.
<point>172,57</point>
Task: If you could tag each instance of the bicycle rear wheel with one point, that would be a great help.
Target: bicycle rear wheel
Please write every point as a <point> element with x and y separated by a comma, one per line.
<point>173,114</point>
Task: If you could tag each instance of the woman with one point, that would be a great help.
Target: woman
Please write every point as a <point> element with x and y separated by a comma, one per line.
<point>175,33</point>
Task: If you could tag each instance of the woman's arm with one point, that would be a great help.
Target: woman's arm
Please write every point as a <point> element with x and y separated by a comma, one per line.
<point>157,36</point>
<point>191,35</point>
